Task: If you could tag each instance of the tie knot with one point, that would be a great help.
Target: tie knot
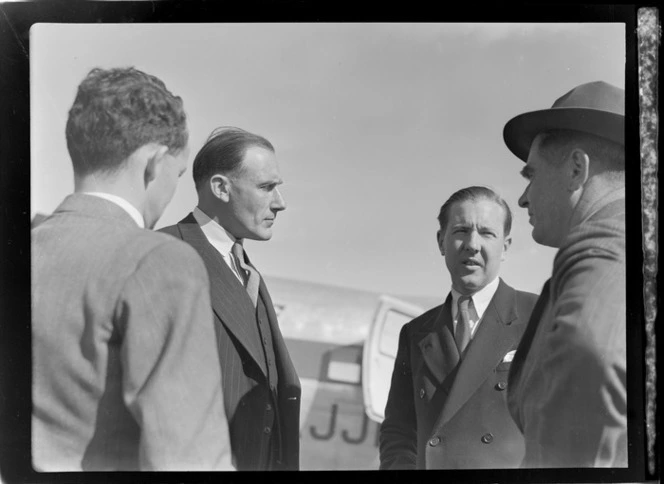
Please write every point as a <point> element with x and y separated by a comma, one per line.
<point>238,251</point>
<point>464,302</point>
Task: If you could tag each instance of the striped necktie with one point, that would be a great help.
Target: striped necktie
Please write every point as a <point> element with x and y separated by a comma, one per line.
<point>253,280</point>
<point>462,333</point>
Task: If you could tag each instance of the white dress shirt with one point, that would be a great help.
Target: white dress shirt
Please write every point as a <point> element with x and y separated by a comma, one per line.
<point>481,300</point>
<point>221,240</point>
<point>123,204</point>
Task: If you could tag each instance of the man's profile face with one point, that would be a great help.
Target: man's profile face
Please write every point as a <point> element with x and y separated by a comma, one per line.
<point>474,244</point>
<point>161,189</point>
<point>546,197</point>
<point>254,195</point>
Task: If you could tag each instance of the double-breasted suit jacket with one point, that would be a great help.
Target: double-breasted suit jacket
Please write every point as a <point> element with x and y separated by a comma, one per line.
<point>252,406</point>
<point>444,412</point>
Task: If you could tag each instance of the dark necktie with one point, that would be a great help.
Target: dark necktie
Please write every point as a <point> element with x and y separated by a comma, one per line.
<point>462,333</point>
<point>253,280</point>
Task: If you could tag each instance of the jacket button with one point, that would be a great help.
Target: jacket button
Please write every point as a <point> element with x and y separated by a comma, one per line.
<point>422,393</point>
<point>268,407</point>
<point>487,438</point>
<point>434,441</point>
<point>501,385</point>
<point>267,430</point>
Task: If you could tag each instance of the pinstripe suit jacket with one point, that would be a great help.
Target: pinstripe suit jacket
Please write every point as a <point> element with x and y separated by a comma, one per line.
<point>567,385</point>
<point>120,333</point>
<point>247,394</point>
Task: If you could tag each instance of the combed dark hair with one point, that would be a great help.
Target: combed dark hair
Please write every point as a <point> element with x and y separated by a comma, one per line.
<point>474,194</point>
<point>116,111</point>
<point>224,151</point>
<point>557,143</point>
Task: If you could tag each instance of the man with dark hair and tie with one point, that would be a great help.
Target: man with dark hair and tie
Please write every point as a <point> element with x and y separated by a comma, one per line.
<point>568,384</point>
<point>237,179</point>
<point>446,407</point>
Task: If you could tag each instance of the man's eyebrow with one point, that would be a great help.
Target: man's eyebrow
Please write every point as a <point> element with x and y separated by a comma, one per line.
<point>527,172</point>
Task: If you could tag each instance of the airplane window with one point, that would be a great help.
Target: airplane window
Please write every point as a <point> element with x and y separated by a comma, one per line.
<point>344,371</point>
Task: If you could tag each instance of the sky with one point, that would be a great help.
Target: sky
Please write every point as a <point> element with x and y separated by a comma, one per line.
<point>374,125</point>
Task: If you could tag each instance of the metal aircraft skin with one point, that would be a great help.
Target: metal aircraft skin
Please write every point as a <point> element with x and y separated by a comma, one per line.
<point>328,331</point>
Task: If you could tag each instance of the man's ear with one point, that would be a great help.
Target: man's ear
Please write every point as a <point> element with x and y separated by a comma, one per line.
<point>506,245</point>
<point>440,239</point>
<point>154,155</point>
<point>220,186</point>
<point>578,164</point>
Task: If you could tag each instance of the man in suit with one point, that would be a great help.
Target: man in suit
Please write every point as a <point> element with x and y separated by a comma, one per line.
<point>567,386</point>
<point>237,178</point>
<point>446,407</point>
<point>125,370</point>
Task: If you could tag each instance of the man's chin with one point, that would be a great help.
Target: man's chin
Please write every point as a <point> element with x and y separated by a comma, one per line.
<point>469,286</point>
<point>262,236</point>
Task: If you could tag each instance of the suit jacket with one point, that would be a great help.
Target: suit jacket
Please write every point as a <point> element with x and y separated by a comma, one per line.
<point>120,335</point>
<point>568,381</point>
<point>443,413</point>
<point>247,395</point>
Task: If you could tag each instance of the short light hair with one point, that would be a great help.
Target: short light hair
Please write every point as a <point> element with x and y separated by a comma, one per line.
<point>115,112</point>
<point>475,193</point>
<point>224,151</point>
<point>555,145</point>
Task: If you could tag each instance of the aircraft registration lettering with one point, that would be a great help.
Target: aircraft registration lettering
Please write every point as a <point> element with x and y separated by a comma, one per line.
<point>346,433</point>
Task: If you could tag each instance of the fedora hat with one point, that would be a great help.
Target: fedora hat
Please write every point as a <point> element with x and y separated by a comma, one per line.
<point>596,108</point>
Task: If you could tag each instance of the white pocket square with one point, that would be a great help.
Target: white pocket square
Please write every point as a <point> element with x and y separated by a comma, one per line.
<point>509,356</point>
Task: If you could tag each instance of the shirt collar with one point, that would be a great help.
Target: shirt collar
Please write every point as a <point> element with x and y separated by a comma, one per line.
<point>123,204</point>
<point>481,298</point>
<point>218,236</point>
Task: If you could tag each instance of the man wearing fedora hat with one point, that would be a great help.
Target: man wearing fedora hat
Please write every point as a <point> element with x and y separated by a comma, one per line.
<point>566,386</point>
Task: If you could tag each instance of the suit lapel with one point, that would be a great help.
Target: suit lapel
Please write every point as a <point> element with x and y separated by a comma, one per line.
<point>287,374</point>
<point>439,351</point>
<point>230,301</point>
<point>493,339</point>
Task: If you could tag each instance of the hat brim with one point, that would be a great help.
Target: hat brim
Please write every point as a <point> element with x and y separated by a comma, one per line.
<point>520,131</point>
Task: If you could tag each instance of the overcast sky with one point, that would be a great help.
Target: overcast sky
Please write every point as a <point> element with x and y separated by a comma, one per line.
<point>374,126</point>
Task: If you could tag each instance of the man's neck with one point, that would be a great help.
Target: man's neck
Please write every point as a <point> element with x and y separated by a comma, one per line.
<point>118,186</point>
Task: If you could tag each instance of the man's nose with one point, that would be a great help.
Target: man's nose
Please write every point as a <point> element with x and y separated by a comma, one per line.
<point>473,241</point>
<point>523,199</point>
<point>278,202</point>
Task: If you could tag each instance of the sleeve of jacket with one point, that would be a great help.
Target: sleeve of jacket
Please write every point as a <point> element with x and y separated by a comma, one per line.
<point>398,432</point>
<point>172,375</point>
<point>581,419</point>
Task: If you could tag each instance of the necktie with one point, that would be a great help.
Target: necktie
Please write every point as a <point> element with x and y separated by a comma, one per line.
<point>462,333</point>
<point>253,281</point>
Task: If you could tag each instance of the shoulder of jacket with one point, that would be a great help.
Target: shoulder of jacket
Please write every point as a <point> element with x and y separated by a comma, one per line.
<point>173,251</point>
<point>415,323</point>
<point>527,296</point>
